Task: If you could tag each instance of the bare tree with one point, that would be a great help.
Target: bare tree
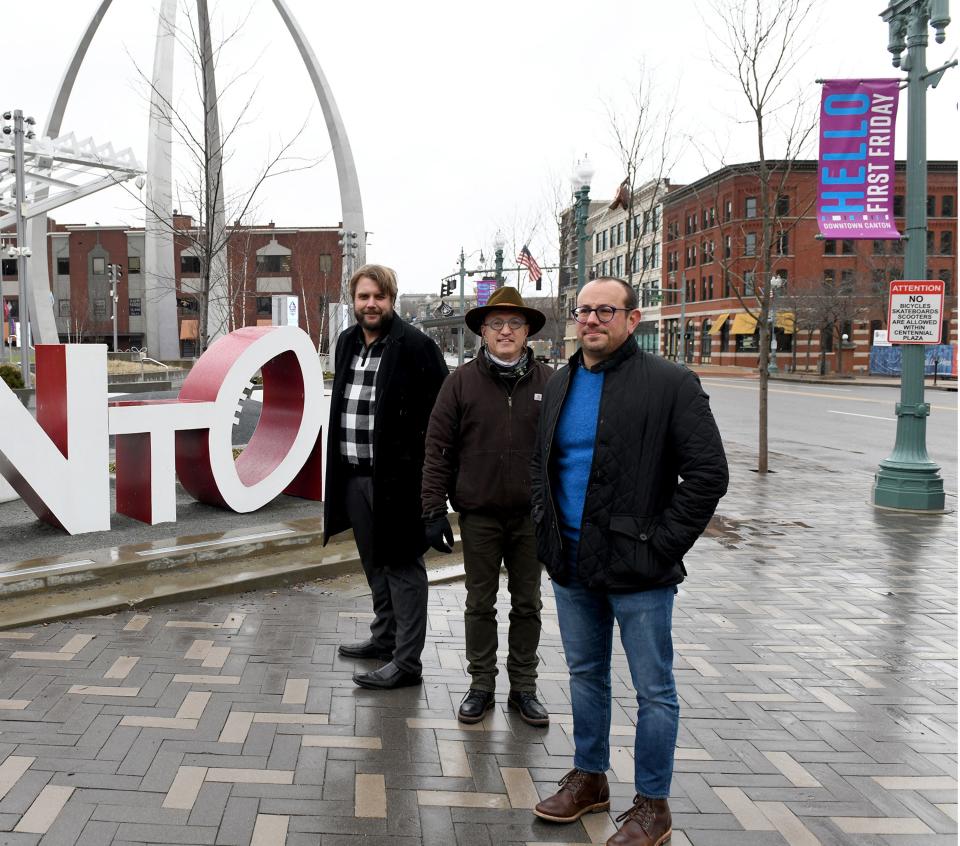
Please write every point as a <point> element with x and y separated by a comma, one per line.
<point>641,133</point>
<point>208,142</point>
<point>759,43</point>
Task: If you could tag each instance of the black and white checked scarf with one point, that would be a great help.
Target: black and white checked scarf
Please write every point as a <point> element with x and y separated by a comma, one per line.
<point>359,406</point>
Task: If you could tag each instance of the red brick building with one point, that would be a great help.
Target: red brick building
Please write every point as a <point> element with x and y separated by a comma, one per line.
<point>262,261</point>
<point>712,244</point>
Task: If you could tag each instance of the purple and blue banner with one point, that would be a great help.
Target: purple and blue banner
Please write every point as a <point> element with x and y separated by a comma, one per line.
<point>855,184</point>
<point>485,287</point>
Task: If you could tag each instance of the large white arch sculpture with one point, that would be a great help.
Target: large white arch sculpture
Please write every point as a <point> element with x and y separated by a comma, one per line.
<point>162,336</point>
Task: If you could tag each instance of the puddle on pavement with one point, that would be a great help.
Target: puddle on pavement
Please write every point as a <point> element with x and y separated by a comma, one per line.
<point>733,534</point>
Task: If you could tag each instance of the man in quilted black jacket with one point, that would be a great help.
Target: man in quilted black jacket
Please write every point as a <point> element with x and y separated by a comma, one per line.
<point>627,471</point>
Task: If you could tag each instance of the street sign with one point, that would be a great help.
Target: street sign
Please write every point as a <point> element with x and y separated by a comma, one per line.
<point>880,338</point>
<point>916,309</point>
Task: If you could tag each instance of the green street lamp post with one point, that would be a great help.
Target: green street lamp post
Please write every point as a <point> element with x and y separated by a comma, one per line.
<point>499,242</point>
<point>909,480</point>
<point>582,174</point>
<point>775,285</point>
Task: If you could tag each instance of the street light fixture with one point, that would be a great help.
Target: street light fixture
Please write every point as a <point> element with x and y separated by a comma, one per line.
<point>499,242</point>
<point>775,285</point>
<point>580,179</point>
<point>909,479</point>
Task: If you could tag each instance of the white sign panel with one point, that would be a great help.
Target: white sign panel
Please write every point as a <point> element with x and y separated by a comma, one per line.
<point>916,311</point>
<point>880,338</point>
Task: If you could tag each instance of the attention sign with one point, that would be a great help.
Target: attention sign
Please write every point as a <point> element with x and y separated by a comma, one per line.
<point>916,310</point>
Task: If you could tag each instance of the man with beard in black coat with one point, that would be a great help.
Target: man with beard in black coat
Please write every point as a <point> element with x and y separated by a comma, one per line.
<point>388,375</point>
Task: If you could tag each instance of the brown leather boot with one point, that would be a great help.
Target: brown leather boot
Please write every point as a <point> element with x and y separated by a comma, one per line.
<point>580,793</point>
<point>647,823</point>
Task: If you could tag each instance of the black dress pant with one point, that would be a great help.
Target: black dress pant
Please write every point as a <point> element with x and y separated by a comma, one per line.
<point>399,588</point>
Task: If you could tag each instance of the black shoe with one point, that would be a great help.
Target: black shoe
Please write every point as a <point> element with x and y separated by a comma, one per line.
<point>387,677</point>
<point>531,711</point>
<point>474,705</point>
<point>364,649</point>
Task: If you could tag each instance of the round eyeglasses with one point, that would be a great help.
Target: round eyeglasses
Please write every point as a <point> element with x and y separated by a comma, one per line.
<point>605,313</point>
<point>497,323</point>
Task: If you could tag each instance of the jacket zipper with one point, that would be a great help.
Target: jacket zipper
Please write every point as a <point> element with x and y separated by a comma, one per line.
<point>546,467</point>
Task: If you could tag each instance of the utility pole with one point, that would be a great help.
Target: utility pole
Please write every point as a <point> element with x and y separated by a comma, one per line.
<point>909,480</point>
<point>463,305</point>
<point>22,251</point>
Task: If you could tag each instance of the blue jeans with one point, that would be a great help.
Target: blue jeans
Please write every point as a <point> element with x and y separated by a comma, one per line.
<point>586,628</point>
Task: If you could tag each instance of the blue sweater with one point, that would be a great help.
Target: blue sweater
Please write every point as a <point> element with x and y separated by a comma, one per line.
<point>573,441</point>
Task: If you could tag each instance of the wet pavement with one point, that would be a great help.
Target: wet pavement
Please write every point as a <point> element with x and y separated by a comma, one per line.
<point>815,658</point>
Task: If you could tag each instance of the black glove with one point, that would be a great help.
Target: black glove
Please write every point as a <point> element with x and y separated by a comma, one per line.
<point>438,533</point>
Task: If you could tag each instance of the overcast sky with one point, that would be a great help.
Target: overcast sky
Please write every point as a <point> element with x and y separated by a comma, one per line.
<point>463,118</point>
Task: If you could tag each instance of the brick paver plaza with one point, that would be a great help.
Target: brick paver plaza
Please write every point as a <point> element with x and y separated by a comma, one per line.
<point>815,657</point>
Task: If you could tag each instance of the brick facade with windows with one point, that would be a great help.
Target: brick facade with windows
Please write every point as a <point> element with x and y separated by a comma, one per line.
<point>712,249</point>
<point>262,261</point>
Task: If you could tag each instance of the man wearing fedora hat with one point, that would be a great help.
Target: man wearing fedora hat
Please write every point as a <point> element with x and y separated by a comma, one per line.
<point>479,444</point>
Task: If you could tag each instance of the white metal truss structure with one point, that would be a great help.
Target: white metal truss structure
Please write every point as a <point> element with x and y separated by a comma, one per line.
<point>58,171</point>
<point>161,317</point>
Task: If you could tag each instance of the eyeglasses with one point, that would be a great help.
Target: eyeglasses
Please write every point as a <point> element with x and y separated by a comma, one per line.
<point>605,313</point>
<point>497,323</point>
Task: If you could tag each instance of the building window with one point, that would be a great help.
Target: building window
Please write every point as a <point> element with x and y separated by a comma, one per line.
<point>929,242</point>
<point>326,263</point>
<point>63,308</point>
<point>879,248</point>
<point>189,264</point>
<point>725,336</point>
<point>946,243</point>
<point>619,265</point>
<point>749,283</point>
<point>596,246</point>
<point>63,266</point>
<point>133,264</point>
<point>273,264</point>
<point>898,205</point>
<point>187,304</point>
<point>620,232</point>
<point>748,343</point>
<point>846,281</point>
<point>750,244</point>
<point>783,205</point>
<point>829,247</point>
<point>99,308</point>
<point>8,267</point>
<point>710,287</point>
<point>603,240</point>
<point>99,265</point>
<point>783,244</point>
<point>751,207</point>
<point>655,255</point>
<point>847,248</point>
<point>603,268</point>
<point>135,309</point>
<point>265,306</point>
<point>726,286</point>
<point>727,246</point>
<point>944,276</point>
<point>728,210</point>
<point>898,247</point>
<point>829,276</point>
<point>931,205</point>
<point>946,205</point>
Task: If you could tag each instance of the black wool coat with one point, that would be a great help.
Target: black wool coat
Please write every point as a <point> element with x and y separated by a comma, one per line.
<point>409,377</point>
<point>639,520</point>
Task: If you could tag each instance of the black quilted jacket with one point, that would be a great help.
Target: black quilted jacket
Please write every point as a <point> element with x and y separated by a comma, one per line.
<point>639,519</point>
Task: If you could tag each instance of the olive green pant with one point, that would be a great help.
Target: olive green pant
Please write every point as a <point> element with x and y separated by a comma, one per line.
<point>489,539</point>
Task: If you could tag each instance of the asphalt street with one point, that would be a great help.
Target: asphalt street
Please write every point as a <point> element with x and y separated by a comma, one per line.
<point>850,428</point>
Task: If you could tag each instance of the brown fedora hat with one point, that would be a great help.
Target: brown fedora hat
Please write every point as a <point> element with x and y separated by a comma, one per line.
<point>505,298</point>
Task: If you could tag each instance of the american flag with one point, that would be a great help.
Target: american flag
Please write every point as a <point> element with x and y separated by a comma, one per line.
<point>530,263</point>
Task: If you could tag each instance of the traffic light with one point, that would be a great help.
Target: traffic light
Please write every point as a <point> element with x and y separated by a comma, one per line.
<point>443,289</point>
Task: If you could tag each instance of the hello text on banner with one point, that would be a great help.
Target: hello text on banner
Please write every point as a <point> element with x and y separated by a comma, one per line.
<point>856,169</point>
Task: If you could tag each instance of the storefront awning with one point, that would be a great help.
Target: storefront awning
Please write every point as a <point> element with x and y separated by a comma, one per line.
<point>189,330</point>
<point>743,324</point>
<point>718,324</point>
<point>785,322</point>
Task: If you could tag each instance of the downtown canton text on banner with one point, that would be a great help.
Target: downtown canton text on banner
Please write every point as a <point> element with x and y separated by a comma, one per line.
<point>485,287</point>
<point>855,184</point>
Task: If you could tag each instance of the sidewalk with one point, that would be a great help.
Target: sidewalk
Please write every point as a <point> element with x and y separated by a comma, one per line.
<point>943,383</point>
<point>815,658</point>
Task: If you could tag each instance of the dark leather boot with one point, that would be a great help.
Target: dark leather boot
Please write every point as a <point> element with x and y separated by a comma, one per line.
<point>647,823</point>
<point>474,706</point>
<point>580,793</point>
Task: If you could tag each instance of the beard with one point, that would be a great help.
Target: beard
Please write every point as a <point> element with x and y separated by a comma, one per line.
<point>373,319</point>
